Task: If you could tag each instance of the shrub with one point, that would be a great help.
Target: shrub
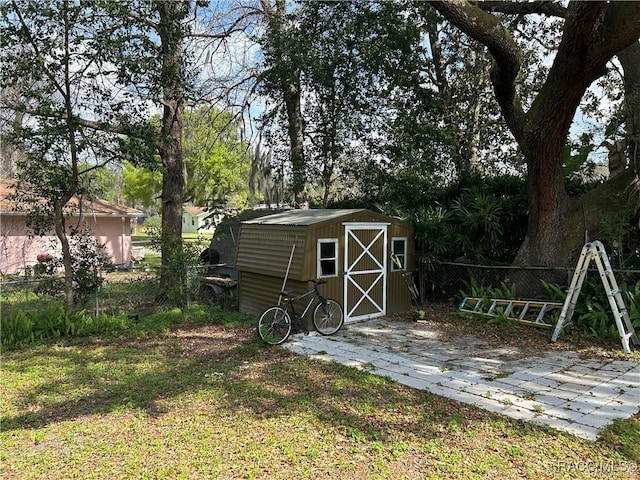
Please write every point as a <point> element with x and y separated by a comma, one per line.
<point>21,327</point>
<point>88,259</point>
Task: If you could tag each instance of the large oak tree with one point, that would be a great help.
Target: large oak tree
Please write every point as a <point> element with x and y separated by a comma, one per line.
<point>593,33</point>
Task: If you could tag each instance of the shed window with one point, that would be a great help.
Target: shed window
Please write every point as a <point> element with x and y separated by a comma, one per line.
<point>328,257</point>
<point>399,254</point>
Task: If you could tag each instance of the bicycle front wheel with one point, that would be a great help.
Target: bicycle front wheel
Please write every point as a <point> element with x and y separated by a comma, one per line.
<point>274,325</point>
<point>328,317</point>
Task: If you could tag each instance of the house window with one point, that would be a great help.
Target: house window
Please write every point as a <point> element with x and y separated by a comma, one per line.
<point>193,222</point>
<point>399,254</point>
<point>327,257</point>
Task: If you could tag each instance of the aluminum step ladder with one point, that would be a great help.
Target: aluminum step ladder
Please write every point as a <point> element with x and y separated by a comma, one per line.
<point>595,251</point>
<point>531,312</point>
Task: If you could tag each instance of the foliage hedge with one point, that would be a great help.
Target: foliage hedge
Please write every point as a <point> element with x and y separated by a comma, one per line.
<point>48,319</point>
<point>22,327</point>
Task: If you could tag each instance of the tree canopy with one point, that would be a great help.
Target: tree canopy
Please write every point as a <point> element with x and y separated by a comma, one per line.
<point>217,161</point>
<point>378,104</point>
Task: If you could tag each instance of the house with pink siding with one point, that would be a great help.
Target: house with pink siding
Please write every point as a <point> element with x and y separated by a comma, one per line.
<point>19,248</point>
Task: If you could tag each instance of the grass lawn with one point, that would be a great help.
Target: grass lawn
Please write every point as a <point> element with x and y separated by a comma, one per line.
<point>210,401</point>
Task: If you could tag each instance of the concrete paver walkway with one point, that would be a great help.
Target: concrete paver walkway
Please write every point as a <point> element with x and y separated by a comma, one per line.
<point>558,389</point>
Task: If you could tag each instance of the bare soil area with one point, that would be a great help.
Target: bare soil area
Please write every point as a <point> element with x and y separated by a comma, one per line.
<point>530,340</point>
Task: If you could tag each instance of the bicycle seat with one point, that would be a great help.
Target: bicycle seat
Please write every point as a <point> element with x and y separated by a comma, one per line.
<point>318,281</point>
<point>286,293</point>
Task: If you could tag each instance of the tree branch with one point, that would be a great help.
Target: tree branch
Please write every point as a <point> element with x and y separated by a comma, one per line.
<point>619,29</point>
<point>488,30</point>
<point>116,128</point>
<point>551,9</point>
<point>25,28</point>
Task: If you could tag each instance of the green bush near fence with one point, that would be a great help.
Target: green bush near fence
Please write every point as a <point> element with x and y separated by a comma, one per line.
<point>28,319</point>
<point>23,327</point>
<point>27,327</point>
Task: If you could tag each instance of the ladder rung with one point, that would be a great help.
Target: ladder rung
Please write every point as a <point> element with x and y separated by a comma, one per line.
<point>508,310</point>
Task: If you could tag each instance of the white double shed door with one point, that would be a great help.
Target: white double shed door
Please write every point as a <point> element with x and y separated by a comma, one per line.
<point>365,267</point>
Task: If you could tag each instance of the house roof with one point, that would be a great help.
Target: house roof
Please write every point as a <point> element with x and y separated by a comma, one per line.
<point>97,207</point>
<point>304,217</point>
<point>195,211</point>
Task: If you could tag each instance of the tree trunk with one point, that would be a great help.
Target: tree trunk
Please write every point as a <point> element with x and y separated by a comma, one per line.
<point>471,161</point>
<point>547,202</point>
<point>172,194</point>
<point>170,143</point>
<point>58,205</point>
<point>296,136</point>
<point>630,61</point>
<point>61,233</point>
<point>291,92</point>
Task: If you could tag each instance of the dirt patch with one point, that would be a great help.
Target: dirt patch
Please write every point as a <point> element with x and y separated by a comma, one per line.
<point>529,340</point>
<point>207,340</point>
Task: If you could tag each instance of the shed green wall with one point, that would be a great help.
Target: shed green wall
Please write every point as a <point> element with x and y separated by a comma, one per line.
<point>258,292</point>
<point>264,250</point>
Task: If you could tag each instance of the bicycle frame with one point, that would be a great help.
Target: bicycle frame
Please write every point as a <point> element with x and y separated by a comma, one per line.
<point>288,302</point>
<point>276,323</point>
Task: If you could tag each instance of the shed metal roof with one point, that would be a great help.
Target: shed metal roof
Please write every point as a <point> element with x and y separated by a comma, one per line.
<point>304,217</point>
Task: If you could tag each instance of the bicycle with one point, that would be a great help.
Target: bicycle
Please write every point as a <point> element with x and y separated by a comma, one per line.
<point>276,323</point>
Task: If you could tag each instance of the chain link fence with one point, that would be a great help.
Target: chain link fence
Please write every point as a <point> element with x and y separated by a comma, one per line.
<point>120,291</point>
<point>449,281</point>
<point>138,289</point>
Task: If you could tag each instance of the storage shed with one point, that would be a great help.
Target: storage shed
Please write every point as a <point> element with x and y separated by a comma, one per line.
<point>350,248</point>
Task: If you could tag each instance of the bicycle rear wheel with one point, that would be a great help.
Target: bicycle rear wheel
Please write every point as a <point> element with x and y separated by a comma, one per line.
<point>328,317</point>
<point>274,325</point>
